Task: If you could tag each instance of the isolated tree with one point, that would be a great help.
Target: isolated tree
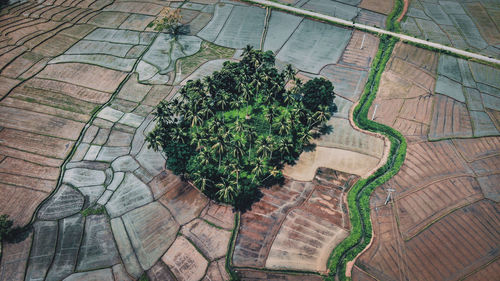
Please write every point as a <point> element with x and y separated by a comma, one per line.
<point>168,20</point>
<point>5,226</point>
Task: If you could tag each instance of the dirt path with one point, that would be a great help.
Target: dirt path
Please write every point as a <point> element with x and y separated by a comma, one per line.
<point>405,9</point>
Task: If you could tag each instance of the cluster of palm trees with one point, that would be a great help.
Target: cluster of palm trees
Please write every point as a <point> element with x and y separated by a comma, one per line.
<point>234,130</point>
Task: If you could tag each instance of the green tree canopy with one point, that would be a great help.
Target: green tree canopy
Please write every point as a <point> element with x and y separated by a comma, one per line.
<point>234,130</point>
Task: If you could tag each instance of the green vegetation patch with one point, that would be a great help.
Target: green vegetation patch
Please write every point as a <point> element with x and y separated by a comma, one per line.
<point>358,197</point>
<point>234,131</point>
<point>208,52</point>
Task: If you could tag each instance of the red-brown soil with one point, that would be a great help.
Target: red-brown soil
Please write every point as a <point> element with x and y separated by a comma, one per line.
<point>442,223</point>
<point>295,226</point>
<point>383,7</point>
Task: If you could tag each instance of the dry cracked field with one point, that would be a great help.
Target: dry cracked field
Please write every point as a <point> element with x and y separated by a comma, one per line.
<point>79,80</point>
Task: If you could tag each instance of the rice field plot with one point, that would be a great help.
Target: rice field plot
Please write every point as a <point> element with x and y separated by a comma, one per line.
<point>368,12</point>
<point>295,226</point>
<point>468,26</point>
<point>235,26</point>
<point>445,189</point>
<point>314,44</point>
<point>404,100</point>
<point>447,249</point>
<point>470,89</point>
<point>42,118</point>
<point>345,149</point>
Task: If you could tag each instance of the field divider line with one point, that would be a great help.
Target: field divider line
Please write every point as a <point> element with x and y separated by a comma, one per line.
<point>266,26</point>
<point>403,37</point>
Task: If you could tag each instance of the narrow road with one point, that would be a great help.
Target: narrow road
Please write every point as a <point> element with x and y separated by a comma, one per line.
<point>403,37</point>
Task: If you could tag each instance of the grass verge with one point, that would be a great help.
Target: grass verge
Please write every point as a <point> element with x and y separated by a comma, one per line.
<point>358,197</point>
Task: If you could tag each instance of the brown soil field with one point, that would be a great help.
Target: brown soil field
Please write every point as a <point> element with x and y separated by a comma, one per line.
<point>360,50</point>
<point>405,101</point>
<point>450,119</point>
<point>47,105</point>
<point>295,226</point>
<point>15,259</point>
<point>442,222</point>
<point>383,7</point>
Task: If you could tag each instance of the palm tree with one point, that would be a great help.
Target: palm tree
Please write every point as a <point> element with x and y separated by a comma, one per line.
<point>220,141</point>
<point>226,190</point>
<point>263,147</point>
<point>273,172</point>
<point>289,72</point>
<point>246,95</point>
<point>305,136</point>
<point>199,138</point>
<point>238,126</point>
<point>247,50</point>
<point>194,116</point>
<point>206,112</point>
<point>283,125</point>
<point>222,102</point>
<point>258,168</point>
<point>238,149</point>
<point>284,147</point>
<point>235,169</point>
<point>178,134</point>
<point>251,135</point>
<point>270,114</point>
<point>204,157</point>
<point>322,115</point>
<point>201,181</point>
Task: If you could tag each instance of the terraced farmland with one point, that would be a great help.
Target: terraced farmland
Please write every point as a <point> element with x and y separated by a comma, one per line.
<point>79,83</point>
<point>465,25</point>
<point>445,188</point>
<point>295,226</point>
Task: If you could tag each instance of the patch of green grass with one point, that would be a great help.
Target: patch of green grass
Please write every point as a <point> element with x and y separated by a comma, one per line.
<point>207,52</point>
<point>143,277</point>
<point>93,211</point>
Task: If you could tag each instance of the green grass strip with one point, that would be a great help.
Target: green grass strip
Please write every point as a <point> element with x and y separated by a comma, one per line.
<point>358,197</point>
<point>232,242</point>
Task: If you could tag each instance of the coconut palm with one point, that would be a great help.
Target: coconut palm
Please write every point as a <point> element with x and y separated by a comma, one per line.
<point>238,149</point>
<point>258,168</point>
<point>226,190</point>
<point>204,157</point>
<point>263,147</point>
<point>250,135</point>
<point>235,169</point>
<point>178,135</point>
<point>305,136</point>
<point>247,50</point>
<point>289,72</point>
<point>220,141</point>
<point>201,181</point>
<point>238,126</point>
<point>283,125</point>
<point>270,115</point>
<point>199,138</point>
